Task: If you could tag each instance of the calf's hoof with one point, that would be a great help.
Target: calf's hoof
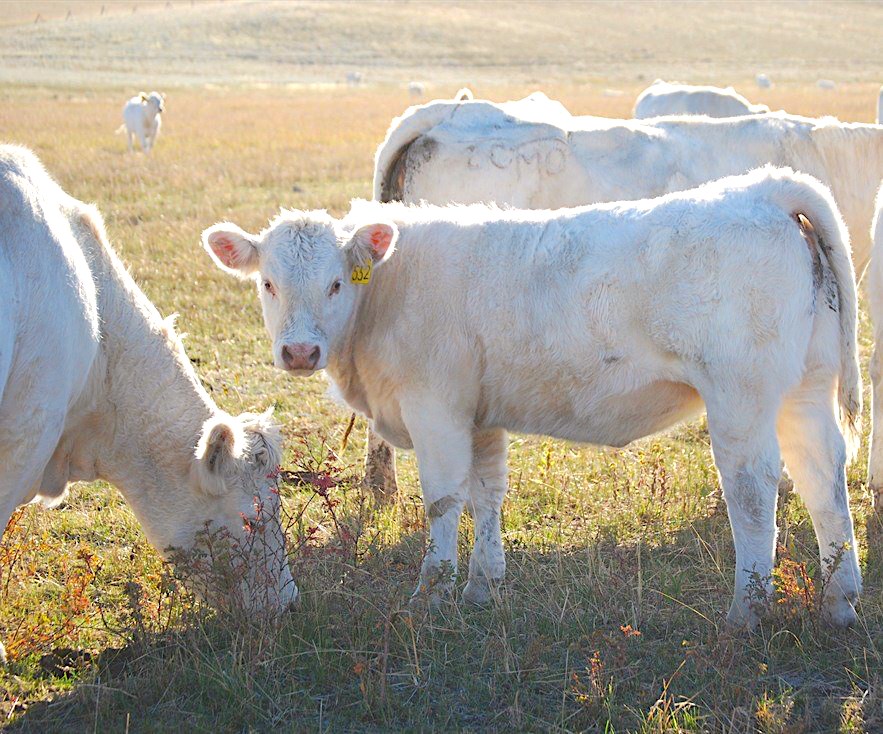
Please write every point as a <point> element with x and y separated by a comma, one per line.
<point>431,596</point>
<point>839,610</point>
<point>479,591</point>
<point>742,617</point>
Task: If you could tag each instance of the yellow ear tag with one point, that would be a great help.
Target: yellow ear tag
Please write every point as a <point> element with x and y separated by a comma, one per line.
<point>362,273</point>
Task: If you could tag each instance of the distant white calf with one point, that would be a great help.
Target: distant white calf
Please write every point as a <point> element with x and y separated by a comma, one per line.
<point>450,326</point>
<point>826,84</point>
<point>354,78</point>
<point>663,98</point>
<point>763,81</point>
<point>416,89</point>
<point>94,384</point>
<point>142,118</point>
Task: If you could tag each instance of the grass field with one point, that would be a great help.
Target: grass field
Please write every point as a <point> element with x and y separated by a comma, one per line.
<point>620,562</point>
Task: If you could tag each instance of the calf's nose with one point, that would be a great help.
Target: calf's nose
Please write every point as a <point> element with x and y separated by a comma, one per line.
<point>301,356</point>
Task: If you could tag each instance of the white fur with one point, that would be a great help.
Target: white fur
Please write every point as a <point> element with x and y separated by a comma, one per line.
<point>94,384</point>
<point>532,156</point>
<point>665,98</point>
<point>142,119</point>
<point>600,324</point>
<point>416,89</point>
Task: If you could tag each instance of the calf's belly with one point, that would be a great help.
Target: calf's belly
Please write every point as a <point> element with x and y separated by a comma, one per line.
<point>613,420</point>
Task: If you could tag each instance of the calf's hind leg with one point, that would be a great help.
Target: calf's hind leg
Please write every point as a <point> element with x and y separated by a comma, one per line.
<point>815,457</point>
<point>743,441</point>
<point>487,488</point>
<point>380,468</point>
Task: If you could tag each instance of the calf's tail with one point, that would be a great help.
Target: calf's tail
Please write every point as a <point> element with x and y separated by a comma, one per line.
<point>813,207</point>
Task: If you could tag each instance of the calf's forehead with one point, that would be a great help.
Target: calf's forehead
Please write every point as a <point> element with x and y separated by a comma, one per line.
<point>300,249</point>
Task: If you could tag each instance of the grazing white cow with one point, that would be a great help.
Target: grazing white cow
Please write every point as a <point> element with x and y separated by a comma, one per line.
<point>763,81</point>
<point>450,326</point>
<point>94,384</point>
<point>664,98</point>
<point>416,89</point>
<point>142,119</point>
<point>534,156</point>
<point>354,78</point>
<point>875,298</point>
<point>826,84</point>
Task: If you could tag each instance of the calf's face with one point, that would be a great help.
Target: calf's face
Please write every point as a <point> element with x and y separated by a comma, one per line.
<point>309,274</point>
<point>234,480</point>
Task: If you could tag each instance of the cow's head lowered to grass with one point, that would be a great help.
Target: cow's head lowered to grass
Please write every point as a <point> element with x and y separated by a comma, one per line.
<point>240,546</point>
<point>309,270</point>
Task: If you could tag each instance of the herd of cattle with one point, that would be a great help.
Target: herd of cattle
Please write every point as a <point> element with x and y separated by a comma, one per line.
<point>704,265</point>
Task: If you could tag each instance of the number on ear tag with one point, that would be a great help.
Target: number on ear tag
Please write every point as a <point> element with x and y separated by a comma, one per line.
<point>362,273</point>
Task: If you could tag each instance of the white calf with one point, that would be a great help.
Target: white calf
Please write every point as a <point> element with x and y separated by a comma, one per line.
<point>663,98</point>
<point>142,118</point>
<point>600,324</point>
<point>94,384</point>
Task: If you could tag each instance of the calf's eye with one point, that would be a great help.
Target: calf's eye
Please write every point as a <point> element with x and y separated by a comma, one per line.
<point>335,288</point>
<point>268,286</point>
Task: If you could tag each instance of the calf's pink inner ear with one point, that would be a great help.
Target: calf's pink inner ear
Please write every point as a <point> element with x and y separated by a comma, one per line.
<point>226,249</point>
<point>378,237</point>
<point>381,239</point>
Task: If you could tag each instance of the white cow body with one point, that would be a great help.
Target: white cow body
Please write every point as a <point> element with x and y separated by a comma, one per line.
<point>468,152</point>
<point>480,151</point>
<point>142,119</point>
<point>664,98</point>
<point>94,384</point>
<point>601,324</point>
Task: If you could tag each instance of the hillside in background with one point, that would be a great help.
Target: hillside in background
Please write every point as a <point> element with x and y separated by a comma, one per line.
<point>252,42</point>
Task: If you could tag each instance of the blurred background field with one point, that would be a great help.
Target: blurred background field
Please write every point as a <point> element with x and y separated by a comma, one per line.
<point>620,561</point>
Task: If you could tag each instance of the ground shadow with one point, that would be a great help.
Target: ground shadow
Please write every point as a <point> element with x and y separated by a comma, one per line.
<point>613,630</point>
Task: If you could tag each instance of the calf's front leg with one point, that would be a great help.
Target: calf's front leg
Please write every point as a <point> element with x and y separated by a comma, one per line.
<point>443,444</point>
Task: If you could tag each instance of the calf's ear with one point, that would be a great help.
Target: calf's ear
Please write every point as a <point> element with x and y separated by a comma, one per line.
<point>372,243</point>
<point>233,249</point>
<point>219,447</point>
